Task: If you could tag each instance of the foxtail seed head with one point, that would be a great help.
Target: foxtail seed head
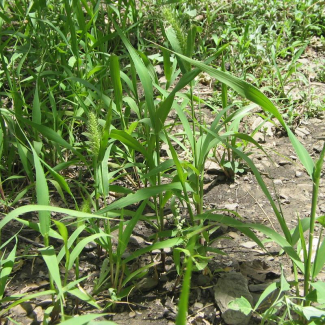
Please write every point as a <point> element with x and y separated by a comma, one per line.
<point>95,133</point>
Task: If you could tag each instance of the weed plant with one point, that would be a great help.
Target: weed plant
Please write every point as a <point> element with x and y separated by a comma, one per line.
<point>83,119</point>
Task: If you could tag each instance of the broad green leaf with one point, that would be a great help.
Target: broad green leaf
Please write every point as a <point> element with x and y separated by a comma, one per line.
<point>85,319</point>
<point>52,136</point>
<point>36,113</point>
<point>268,291</point>
<point>84,296</point>
<point>81,245</point>
<point>103,322</point>
<point>241,304</point>
<point>23,155</point>
<point>74,236</point>
<point>281,241</point>
<point>129,141</point>
<point>167,66</point>
<point>177,259</point>
<point>141,195</point>
<point>187,127</point>
<point>42,193</point>
<point>181,318</point>
<point>137,272</point>
<point>117,85</point>
<point>230,222</point>
<point>49,256</point>
<point>29,208</point>
<point>36,226</point>
<point>62,230</point>
<point>317,295</point>
<point>161,168</point>
<point>129,228</point>
<point>319,165</point>
<point>23,299</point>
<point>59,178</point>
<point>312,312</point>
<point>6,266</point>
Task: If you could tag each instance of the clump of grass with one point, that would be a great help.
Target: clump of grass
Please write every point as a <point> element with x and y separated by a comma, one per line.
<point>53,87</point>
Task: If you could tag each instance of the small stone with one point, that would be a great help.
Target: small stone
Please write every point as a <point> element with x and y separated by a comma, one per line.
<point>259,137</point>
<point>285,162</point>
<point>137,241</point>
<point>278,182</point>
<point>260,167</point>
<point>300,134</point>
<point>146,284</point>
<point>283,197</point>
<point>258,287</point>
<point>266,128</point>
<point>298,173</point>
<point>304,131</point>
<point>199,18</point>
<point>233,235</point>
<point>318,147</point>
<point>19,310</point>
<point>159,69</point>
<point>211,166</point>
<point>198,305</point>
<point>232,206</point>
<point>132,314</point>
<point>166,250</point>
<point>249,244</point>
<point>38,311</point>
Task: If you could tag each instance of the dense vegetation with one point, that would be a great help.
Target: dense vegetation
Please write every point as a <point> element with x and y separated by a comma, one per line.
<point>87,88</point>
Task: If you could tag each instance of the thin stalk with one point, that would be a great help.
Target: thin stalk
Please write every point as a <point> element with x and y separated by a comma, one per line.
<point>311,237</point>
<point>160,198</point>
<point>317,250</point>
<point>316,179</point>
<point>198,205</point>
<point>118,251</point>
<point>295,272</point>
<point>110,252</point>
<point>96,183</point>
<point>224,98</point>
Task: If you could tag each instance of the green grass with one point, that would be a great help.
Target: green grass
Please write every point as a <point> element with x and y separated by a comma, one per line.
<point>84,117</point>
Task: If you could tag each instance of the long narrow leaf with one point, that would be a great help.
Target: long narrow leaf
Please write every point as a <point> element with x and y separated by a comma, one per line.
<point>42,193</point>
<point>49,256</point>
<point>143,74</point>
<point>141,195</point>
